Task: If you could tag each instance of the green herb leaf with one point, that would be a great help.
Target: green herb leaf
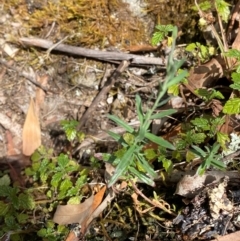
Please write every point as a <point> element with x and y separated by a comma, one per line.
<point>65,185</point>
<point>5,180</point>
<point>26,201</point>
<point>63,161</point>
<point>56,179</point>
<point>4,208</point>
<point>201,123</point>
<point>139,109</point>
<point>223,9</point>
<point>22,218</point>
<point>222,139</point>
<point>232,106</point>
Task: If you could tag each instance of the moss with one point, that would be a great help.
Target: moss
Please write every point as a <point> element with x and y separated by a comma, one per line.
<point>87,22</point>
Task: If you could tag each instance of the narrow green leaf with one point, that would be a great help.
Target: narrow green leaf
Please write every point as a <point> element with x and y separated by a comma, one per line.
<point>142,177</point>
<point>219,164</point>
<point>121,123</point>
<point>159,140</point>
<point>201,169</point>
<point>146,166</point>
<point>163,102</point>
<point>163,113</point>
<point>139,109</point>
<point>198,151</point>
<point>114,135</point>
<point>215,148</point>
<point>123,165</point>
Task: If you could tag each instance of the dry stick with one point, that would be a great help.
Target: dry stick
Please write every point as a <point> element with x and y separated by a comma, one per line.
<point>155,204</point>
<point>112,57</point>
<point>109,83</point>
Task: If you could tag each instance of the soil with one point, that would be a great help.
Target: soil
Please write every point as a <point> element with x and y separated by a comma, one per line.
<point>71,83</point>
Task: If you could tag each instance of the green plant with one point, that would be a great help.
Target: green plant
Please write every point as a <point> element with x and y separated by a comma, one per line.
<point>161,33</point>
<point>221,6</point>
<point>175,89</point>
<point>200,129</point>
<point>232,106</point>
<point>16,207</point>
<point>62,177</point>
<point>200,51</point>
<point>209,94</point>
<point>58,180</point>
<point>130,160</point>
<point>54,180</point>
<point>210,157</point>
<point>70,129</point>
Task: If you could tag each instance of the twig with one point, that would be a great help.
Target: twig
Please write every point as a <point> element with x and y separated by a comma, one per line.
<point>112,57</point>
<point>109,83</point>
<point>230,156</point>
<point>155,204</point>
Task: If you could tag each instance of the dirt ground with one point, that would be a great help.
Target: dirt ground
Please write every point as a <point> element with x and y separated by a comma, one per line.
<point>70,83</point>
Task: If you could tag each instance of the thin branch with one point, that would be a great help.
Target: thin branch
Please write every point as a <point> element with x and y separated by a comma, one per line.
<point>112,57</point>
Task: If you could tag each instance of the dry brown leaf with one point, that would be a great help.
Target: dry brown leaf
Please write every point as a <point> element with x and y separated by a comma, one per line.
<point>230,237</point>
<point>72,237</point>
<point>190,186</point>
<point>80,213</point>
<point>207,74</point>
<point>31,136</point>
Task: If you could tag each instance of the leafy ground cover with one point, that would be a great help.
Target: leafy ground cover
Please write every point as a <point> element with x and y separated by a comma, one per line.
<point>118,148</point>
